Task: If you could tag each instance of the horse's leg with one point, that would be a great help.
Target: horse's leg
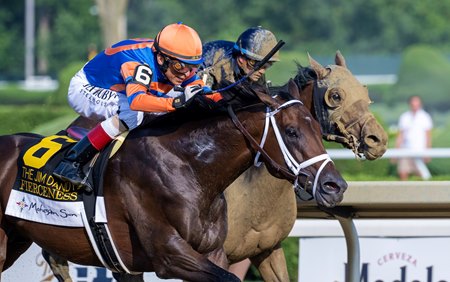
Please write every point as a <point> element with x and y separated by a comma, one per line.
<point>178,268</point>
<point>16,245</point>
<point>178,259</point>
<point>240,269</point>
<point>219,258</point>
<point>3,248</point>
<point>60,269</point>
<point>58,265</point>
<point>125,277</point>
<point>272,265</point>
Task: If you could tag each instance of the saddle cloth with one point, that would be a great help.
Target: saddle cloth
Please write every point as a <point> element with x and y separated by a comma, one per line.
<point>40,197</point>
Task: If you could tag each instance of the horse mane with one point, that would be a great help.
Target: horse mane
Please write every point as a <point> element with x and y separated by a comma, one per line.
<point>303,77</point>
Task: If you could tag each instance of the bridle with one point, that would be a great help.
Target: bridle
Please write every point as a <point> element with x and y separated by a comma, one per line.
<point>304,189</point>
<point>329,129</point>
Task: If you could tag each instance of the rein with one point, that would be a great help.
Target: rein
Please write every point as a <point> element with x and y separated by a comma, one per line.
<point>294,167</point>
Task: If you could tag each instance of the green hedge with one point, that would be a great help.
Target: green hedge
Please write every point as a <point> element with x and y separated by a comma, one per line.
<point>286,68</point>
<point>13,95</point>
<point>56,124</point>
<point>424,71</point>
<point>26,118</point>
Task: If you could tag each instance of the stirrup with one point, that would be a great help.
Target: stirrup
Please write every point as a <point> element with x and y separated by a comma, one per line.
<point>79,182</point>
<point>86,185</point>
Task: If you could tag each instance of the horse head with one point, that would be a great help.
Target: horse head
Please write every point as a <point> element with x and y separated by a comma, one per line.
<point>291,129</point>
<point>341,105</point>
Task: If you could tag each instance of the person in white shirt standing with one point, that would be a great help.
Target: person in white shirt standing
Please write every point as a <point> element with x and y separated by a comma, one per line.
<point>415,134</point>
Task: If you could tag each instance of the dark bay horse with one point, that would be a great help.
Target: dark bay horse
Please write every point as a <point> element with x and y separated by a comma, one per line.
<point>262,209</point>
<point>163,189</point>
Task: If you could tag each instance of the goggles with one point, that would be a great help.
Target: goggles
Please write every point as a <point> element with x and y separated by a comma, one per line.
<point>251,63</point>
<point>179,67</point>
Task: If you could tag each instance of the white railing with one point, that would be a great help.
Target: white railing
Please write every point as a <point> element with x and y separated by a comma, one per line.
<point>377,79</point>
<point>337,154</point>
<point>395,153</point>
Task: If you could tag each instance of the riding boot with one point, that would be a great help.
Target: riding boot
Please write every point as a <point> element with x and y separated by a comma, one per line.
<point>71,167</point>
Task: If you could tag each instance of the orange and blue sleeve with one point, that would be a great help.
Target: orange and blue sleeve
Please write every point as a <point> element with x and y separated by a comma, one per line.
<point>151,103</point>
<point>137,92</point>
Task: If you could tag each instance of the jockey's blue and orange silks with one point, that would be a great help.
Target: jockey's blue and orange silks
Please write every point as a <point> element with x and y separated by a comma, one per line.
<point>130,66</point>
<point>124,78</point>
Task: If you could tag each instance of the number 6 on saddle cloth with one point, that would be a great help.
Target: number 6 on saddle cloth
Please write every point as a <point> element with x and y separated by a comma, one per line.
<point>43,157</point>
<point>40,197</point>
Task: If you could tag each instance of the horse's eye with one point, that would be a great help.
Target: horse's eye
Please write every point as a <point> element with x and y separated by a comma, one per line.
<point>291,132</point>
<point>334,98</point>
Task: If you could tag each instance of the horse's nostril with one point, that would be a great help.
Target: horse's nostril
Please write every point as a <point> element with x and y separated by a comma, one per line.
<point>371,140</point>
<point>331,187</point>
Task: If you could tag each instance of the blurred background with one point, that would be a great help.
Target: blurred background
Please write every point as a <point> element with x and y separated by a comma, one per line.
<point>398,48</point>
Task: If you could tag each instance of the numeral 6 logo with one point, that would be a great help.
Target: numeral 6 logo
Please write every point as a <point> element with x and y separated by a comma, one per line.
<point>38,155</point>
<point>143,74</point>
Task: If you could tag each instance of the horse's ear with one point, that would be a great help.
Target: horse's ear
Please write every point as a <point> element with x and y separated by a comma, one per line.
<point>266,99</point>
<point>318,68</point>
<point>293,89</point>
<point>339,59</point>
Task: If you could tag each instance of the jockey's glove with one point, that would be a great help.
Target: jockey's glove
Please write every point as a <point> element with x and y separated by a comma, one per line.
<point>186,96</point>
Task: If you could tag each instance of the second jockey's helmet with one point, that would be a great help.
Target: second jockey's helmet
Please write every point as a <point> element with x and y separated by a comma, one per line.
<point>256,42</point>
<point>181,42</point>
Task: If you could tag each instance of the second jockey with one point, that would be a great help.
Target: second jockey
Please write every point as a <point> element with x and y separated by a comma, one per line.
<point>227,60</point>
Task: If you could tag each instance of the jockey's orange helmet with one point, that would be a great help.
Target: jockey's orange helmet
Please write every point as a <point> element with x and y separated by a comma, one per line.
<point>181,42</point>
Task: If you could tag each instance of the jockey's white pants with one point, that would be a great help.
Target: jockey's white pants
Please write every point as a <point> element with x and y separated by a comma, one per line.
<point>102,104</point>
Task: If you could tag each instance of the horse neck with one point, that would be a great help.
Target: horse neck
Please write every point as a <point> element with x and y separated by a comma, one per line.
<point>216,150</point>
<point>237,155</point>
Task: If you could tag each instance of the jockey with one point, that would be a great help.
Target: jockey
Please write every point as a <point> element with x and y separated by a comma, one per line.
<point>226,60</point>
<point>133,76</point>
